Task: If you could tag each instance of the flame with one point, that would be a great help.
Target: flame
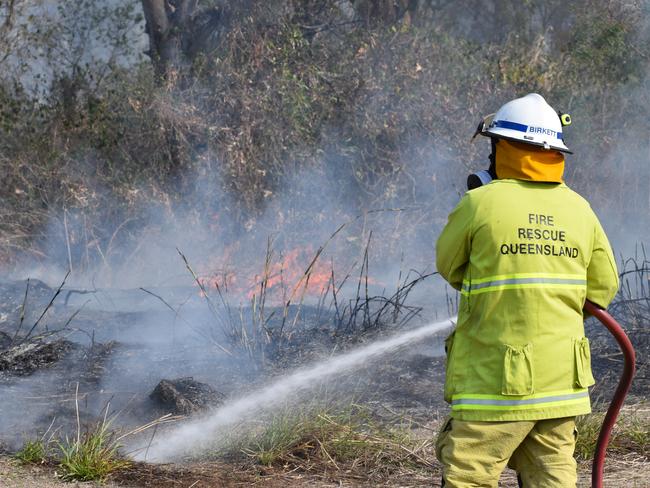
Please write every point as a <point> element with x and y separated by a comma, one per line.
<point>297,272</point>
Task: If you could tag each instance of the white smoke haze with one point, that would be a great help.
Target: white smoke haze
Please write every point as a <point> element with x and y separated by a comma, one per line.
<point>154,343</point>
<point>625,179</point>
<point>18,422</point>
<point>304,215</point>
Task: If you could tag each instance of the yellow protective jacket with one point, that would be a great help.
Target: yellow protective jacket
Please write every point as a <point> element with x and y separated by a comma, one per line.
<point>525,256</point>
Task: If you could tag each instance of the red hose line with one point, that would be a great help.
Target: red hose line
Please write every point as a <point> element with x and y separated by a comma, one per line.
<point>621,391</point>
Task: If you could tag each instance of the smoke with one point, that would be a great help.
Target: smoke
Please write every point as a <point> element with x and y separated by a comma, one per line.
<point>310,207</point>
<point>155,343</point>
<point>18,422</point>
<point>618,185</point>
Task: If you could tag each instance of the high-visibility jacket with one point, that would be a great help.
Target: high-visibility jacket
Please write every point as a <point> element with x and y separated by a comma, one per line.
<point>525,256</point>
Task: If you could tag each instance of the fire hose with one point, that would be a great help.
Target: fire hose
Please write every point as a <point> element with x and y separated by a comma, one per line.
<point>621,391</point>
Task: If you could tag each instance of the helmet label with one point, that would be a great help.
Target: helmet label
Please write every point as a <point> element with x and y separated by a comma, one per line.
<point>545,131</point>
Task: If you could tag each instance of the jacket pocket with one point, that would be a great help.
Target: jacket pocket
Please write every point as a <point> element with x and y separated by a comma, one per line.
<point>449,345</point>
<point>518,370</point>
<point>582,354</point>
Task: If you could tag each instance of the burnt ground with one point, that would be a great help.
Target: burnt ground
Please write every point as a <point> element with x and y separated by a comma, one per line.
<point>620,472</point>
<point>111,356</point>
<point>119,357</point>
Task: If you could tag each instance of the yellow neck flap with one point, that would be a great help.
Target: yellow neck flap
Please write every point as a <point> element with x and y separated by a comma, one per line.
<point>527,162</point>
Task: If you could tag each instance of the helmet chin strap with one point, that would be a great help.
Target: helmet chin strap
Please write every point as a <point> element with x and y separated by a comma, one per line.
<point>492,170</point>
<point>484,176</point>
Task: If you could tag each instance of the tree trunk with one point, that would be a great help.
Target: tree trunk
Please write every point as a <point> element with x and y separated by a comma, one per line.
<point>167,28</point>
<point>385,11</point>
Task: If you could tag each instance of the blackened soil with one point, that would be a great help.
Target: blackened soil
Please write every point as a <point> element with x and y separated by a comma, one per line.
<point>25,358</point>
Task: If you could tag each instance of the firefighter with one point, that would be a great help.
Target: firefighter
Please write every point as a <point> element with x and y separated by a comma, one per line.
<point>525,252</point>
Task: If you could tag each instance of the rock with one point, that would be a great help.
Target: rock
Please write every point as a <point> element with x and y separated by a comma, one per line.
<point>24,359</point>
<point>184,396</point>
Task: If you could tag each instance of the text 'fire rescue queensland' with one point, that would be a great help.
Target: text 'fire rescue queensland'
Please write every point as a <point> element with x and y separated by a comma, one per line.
<point>546,239</point>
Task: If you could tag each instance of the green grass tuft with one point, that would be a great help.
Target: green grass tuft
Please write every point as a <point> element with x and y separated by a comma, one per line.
<point>32,452</point>
<point>91,456</point>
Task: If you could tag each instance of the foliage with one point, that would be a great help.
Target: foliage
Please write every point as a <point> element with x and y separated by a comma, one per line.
<point>32,452</point>
<point>377,112</point>
<point>92,456</point>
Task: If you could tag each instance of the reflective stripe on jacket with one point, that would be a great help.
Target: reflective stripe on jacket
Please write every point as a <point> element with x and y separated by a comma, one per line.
<point>525,256</point>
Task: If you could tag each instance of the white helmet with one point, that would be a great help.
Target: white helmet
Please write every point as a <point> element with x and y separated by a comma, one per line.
<point>527,119</point>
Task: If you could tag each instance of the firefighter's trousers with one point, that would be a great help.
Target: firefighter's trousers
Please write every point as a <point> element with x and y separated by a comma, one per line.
<point>473,454</point>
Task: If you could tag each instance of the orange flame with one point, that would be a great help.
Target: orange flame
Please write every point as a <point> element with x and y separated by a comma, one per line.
<point>297,271</point>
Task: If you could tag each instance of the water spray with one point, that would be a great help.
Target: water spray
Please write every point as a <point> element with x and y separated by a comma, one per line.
<point>187,437</point>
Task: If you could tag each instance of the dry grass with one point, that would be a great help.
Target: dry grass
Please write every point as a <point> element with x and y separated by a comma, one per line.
<point>381,112</point>
<point>629,471</point>
<point>301,462</point>
<point>334,439</point>
<point>93,454</point>
<point>630,436</point>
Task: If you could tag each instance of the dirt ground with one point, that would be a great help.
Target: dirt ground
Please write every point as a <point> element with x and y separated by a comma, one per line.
<point>628,472</point>
<point>13,475</point>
